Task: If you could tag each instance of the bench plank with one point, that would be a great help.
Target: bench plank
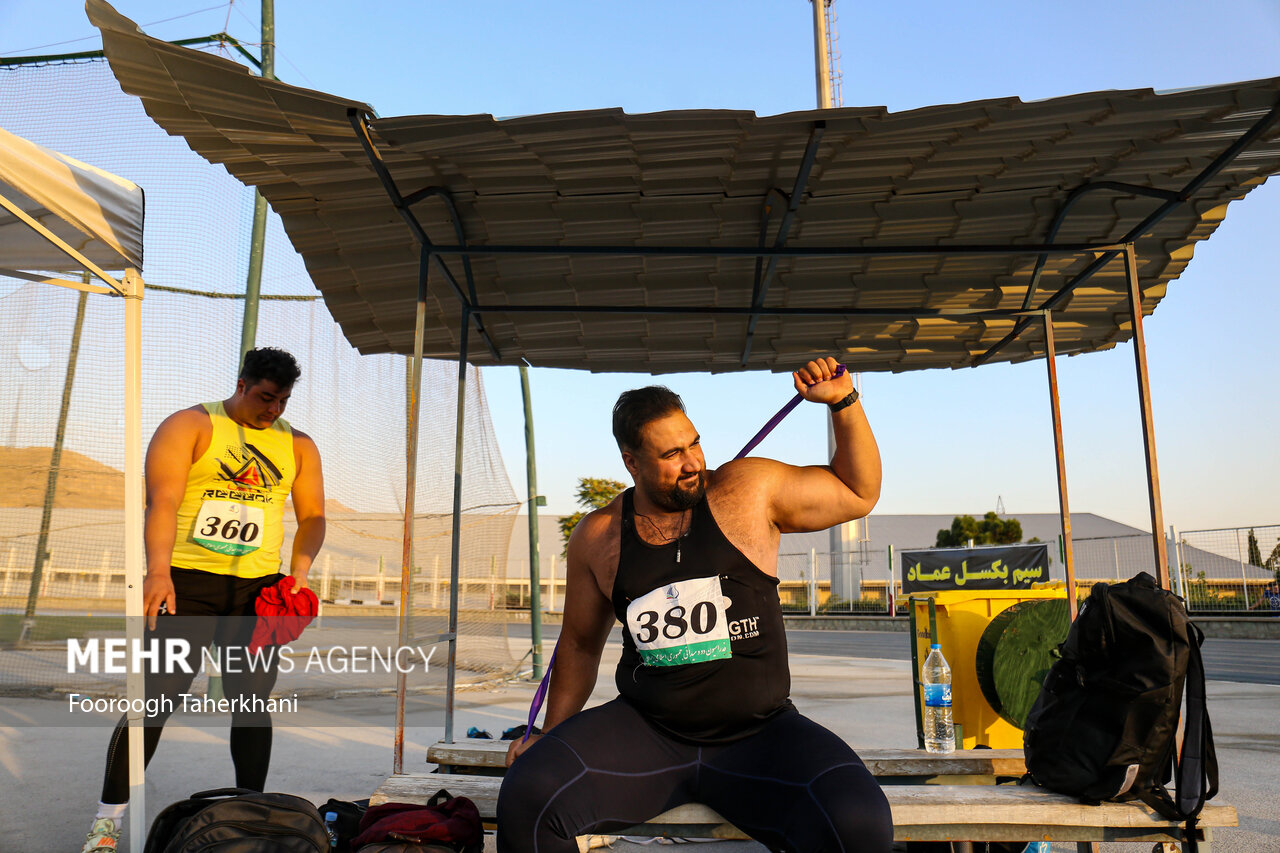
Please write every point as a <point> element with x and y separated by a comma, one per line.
<point>483,752</point>
<point>920,812</point>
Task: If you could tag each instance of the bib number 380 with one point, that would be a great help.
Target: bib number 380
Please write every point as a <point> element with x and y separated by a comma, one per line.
<point>229,527</point>
<point>680,623</point>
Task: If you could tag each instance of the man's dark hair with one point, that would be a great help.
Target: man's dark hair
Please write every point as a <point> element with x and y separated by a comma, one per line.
<point>269,363</point>
<point>638,407</point>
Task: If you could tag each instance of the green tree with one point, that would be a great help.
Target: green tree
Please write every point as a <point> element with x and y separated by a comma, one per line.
<point>1273,561</point>
<point>991,530</point>
<point>593,493</point>
<point>1255,553</point>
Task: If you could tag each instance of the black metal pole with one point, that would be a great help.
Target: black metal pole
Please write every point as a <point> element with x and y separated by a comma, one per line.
<point>455,540</point>
<point>55,465</point>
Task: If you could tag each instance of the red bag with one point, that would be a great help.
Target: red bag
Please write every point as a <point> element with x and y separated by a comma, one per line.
<point>445,819</point>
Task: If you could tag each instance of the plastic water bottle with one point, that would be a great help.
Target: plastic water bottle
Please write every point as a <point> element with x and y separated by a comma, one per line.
<point>935,675</point>
<point>331,829</point>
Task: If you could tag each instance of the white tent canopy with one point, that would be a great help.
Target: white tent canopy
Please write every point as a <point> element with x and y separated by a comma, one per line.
<point>60,215</point>
<point>45,194</point>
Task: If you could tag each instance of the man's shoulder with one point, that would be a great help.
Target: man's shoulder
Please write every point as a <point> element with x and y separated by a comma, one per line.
<point>196,419</point>
<point>750,472</point>
<point>600,522</point>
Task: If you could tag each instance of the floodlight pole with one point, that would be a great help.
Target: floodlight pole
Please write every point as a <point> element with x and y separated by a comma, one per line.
<point>822,53</point>
<point>1068,552</point>
<point>1148,422</point>
<point>253,285</point>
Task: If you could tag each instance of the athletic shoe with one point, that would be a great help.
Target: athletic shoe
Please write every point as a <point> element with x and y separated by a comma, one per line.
<point>103,838</point>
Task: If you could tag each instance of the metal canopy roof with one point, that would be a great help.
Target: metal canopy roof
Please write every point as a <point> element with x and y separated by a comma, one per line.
<point>547,204</point>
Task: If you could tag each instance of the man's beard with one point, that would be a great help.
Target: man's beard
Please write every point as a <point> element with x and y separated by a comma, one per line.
<point>677,499</point>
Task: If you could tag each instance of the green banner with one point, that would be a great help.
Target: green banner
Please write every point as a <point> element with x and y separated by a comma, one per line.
<point>994,567</point>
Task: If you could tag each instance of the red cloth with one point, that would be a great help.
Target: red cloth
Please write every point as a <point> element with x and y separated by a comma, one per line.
<point>282,615</point>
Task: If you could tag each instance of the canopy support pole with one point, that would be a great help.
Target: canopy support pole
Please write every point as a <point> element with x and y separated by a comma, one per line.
<point>134,557</point>
<point>455,543</point>
<point>1064,508</point>
<point>413,415</point>
<point>1148,422</point>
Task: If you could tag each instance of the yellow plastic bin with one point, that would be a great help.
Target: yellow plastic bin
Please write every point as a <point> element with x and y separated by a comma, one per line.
<point>961,617</point>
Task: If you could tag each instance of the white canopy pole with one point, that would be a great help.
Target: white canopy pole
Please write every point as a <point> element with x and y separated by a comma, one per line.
<point>134,557</point>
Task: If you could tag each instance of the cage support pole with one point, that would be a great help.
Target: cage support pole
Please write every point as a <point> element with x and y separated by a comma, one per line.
<point>454,545</point>
<point>55,463</point>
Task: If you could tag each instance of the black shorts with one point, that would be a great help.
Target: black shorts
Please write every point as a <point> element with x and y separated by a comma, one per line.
<point>793,786</point>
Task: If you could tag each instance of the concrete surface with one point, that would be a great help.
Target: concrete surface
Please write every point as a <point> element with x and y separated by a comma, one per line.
<point>50,776</point>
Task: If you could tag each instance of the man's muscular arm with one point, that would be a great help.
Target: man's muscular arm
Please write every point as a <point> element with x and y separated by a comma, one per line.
<point>588,618</point>
<point>308,508</point>
<point>169,458</point>
<point>820,496</point>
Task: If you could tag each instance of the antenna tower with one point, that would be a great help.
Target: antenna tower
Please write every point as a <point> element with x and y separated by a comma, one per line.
<point>833,54</point>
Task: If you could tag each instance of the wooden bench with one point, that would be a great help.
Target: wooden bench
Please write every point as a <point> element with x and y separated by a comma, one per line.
<point>484,757</point>
<point>978,810</point>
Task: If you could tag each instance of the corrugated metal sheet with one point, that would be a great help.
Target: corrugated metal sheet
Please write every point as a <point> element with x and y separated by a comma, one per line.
<point>988,172</point>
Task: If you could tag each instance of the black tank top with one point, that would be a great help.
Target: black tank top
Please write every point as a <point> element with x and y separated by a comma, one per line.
<point>704,656</point>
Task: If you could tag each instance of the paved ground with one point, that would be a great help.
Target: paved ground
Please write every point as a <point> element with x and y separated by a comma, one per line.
<point>47,771</point>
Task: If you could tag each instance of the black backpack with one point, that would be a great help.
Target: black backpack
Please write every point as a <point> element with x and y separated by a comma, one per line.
<point>236,820</point>
<point>1104,724</point>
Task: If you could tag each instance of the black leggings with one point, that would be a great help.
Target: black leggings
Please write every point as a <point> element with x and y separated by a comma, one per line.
<point>794,786</point>
<point>211,609</point>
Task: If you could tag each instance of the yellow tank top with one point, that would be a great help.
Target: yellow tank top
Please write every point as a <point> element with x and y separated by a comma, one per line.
<point>231,519</point>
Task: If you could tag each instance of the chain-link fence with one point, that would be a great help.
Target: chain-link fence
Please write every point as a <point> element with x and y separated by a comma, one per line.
<point>1228,569</point>
<point>834,583</point>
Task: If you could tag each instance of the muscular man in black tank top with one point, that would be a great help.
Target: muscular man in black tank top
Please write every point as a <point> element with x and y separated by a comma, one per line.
<point>687,561</point>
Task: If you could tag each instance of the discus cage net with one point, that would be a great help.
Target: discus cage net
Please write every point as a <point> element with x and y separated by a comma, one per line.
<point>61,511</point>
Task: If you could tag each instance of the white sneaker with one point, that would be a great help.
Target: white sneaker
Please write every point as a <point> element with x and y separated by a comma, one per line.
<point>103,838</point>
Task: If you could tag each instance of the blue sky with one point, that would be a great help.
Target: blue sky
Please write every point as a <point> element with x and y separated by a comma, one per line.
<point>951,440</point>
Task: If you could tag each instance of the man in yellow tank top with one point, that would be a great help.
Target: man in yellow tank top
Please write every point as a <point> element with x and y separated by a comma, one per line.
<point>217,478</point>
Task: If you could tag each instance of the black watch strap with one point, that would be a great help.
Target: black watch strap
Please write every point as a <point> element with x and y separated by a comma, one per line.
<point>846,402</point>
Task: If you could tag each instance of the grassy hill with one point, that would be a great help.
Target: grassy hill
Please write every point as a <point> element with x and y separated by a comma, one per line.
<point>82,482</point>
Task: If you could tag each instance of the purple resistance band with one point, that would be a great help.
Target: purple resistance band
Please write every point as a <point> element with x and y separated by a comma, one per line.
<point>777,419</point>
<point>541,695</point>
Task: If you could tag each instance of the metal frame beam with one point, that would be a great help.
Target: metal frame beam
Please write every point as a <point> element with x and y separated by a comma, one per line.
<point>957,250</point>
<point>1172,201</point>
<point>760,289</point>
<point>402,206</point>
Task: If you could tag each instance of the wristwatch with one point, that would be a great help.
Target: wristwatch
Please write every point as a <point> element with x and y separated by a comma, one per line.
<point>845,403</point>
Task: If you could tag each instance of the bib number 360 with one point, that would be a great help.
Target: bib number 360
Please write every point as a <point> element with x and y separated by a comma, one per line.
<point>229,527</point>
<point>680,623</point>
